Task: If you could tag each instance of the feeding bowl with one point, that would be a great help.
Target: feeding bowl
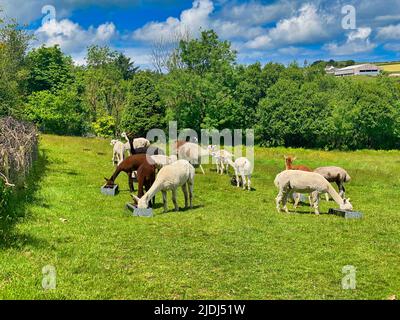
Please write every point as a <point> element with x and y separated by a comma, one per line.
<point>346,214</point>
<point>110,191</point>
<point>136,212</point>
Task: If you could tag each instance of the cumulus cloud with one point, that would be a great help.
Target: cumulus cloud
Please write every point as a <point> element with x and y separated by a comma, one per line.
<point>190,20</point>
<point>307,26</point>
<point>71,37</point>
<point>391,32</point>
<point>357,42</point>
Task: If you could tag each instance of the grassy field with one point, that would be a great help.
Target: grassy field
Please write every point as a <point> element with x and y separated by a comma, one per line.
<point>232,245</point>
<point>394,67</point>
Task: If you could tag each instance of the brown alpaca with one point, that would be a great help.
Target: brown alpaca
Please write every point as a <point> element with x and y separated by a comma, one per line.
<point>145,172</point>
<point>289,165</point>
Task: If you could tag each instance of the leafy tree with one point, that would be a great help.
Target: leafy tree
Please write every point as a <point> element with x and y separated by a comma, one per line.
<point>206,53</point>
<point>49,69</point>
<point>143,109</point>
<point>61,112</point>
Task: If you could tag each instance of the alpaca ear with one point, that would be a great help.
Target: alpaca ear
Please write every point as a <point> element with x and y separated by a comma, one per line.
<point>294,158</point>
<point>105,179</point>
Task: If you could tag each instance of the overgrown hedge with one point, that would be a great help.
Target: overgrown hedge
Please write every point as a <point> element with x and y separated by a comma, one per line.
<point>18,151</point>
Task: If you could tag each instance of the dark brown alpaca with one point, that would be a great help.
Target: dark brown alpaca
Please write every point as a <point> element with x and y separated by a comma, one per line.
<point>289,165</point>
<point>145,172</point>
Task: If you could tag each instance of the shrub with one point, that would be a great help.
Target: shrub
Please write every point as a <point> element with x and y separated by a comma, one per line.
<point>104,127</point>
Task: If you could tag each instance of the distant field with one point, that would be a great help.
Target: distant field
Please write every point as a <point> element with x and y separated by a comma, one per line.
<point>394,67</point>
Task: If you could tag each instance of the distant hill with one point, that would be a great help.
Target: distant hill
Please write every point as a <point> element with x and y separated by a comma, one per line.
<point>337,64</point>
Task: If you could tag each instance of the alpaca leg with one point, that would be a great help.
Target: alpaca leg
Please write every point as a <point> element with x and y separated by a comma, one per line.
<point>279,200</point>
<point>174,199</point>
<point>130,182</point>
<point>327,197</point>
<point>315,196</point>
<point>249,182</point>
<point>164,197</point>
<point>185,193</point>
<point>237,179</point>
<point>297,201</point>
<point>243,181</point>
<point>342,190</point>
<point>190,185</point>
<point>284,202</point>
<point>202,170</point>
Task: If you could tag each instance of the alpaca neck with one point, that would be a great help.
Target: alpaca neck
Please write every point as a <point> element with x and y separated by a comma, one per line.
<point>155,188</point>
<point>116,174</point>
<point>335,196</point>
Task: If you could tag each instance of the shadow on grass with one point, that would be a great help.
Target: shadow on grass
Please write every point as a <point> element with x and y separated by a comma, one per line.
<point>18,208</point>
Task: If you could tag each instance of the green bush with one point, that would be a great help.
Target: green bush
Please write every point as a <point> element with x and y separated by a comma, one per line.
<point>61,112</point>
<point>104,126</point>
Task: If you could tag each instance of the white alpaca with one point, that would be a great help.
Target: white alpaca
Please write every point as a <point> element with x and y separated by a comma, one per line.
<point>161,160</point>
<point>335,174</point>
<point>223,159</point>
<point>193,153</point>
<point>137,143</point>
<point>244,169</point>
<point>290,181</point>
<point>127,145</point>
<point>171,177</point>
<point>118,151</point>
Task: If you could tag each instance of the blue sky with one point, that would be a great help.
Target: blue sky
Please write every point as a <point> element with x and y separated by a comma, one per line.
<point>279,30</point>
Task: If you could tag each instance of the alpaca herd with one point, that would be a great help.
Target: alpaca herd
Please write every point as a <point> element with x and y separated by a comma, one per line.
<point>156,172</point>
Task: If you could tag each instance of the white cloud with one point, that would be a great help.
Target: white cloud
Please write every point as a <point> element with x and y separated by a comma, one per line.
<point>307,26</point>
<point>190,20</point>
<point>391,32</point>
<point>357,42</point>
<point>71,37</point>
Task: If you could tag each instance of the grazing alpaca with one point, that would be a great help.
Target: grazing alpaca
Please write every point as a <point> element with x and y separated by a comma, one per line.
<point>191,152</point>
<point>118,152</point>
<point>290,181</point>
<point>161,160</point>
<point>244,169</point>
<point>223,159</point>
<point>289,165</point>
<point>145,172</point>
<point>337,175</point>
<point>179,174</point>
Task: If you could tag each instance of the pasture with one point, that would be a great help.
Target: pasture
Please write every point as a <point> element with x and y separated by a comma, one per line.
<point>393,67</point>
<point>232,245</point>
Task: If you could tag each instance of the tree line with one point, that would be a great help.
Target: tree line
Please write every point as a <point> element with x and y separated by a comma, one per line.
<point>202,87</point>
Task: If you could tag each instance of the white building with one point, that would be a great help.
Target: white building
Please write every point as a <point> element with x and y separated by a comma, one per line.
<point>359,70</point>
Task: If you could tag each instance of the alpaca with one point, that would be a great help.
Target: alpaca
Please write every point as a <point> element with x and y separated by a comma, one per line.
<point>337,175</point>
<point>244,169</point>
<point>178,174</point>
<point>289,166</point>
<point>118,152</point>
<point>290,181</point>
<point>223,159</point>
<point>138,143</point>
<point>191,152</point>
<point>145,172</point>
<point>161,160</point>
<point>127,144</point>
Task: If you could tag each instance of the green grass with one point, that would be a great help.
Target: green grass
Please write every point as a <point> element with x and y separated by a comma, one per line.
<point>233,245</point>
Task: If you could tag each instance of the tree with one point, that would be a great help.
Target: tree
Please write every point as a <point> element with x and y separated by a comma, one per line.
<point>13,46</point>
<point>206,53</point>
<point>143,109</point>
<point>49,69</point>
